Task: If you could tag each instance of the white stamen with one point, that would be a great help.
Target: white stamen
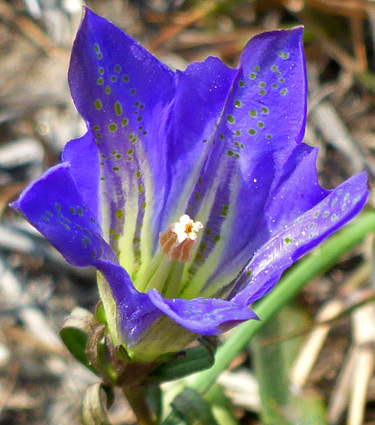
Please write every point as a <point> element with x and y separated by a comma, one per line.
<point>179,240</point>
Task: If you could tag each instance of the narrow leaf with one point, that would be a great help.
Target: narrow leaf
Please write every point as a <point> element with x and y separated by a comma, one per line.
<point>75,334</point>
<point>192,360</point>
<point>193,409</point>
<point>94,409</point>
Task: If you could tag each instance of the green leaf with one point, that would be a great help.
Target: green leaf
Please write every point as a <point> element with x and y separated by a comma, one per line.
<point>75,334</point>
<point>222,406</point>
<point>94,409</point>
<point>191,407</point>
<point>273,359</point>
<point>190,361</point>
<point>154,400</point>
<point>100,313</point>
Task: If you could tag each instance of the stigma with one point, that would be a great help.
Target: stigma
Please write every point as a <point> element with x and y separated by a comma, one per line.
<point>179,240</point>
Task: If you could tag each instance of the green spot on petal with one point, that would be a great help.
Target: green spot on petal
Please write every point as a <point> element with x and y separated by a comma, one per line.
<point>98,104</point>
<point>224,211</point>
<point>112,127</point>
<point>118,108</point>
<point>100,81</point>
<point>230,119</point>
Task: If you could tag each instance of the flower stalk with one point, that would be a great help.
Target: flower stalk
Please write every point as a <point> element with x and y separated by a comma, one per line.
<point>137,401</point>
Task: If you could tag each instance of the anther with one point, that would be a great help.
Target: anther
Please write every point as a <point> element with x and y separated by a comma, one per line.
<point>179,240</point>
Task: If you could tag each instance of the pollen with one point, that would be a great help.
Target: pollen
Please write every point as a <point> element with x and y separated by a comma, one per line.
<point>179,240</point>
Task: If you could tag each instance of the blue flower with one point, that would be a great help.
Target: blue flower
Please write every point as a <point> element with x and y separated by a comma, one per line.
<point>191,192</point>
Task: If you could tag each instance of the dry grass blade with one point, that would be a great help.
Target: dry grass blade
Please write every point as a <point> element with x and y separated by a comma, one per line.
<point>313,345</point>
<point>364,338</point>
<point>32,318</point>
<point>329,123</point>
<point>172,30</point>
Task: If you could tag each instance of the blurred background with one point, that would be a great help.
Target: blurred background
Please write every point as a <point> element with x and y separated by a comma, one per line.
<point>329,332</point>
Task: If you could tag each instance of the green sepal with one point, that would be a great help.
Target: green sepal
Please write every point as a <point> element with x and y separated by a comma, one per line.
<point>75,333</point>
<point>187,362</point>
<point>193,409</point>
<point>100,313</point>
<point>94,409</point>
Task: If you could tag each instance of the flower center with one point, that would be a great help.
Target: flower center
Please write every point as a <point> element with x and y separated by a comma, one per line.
<point>179,240</point>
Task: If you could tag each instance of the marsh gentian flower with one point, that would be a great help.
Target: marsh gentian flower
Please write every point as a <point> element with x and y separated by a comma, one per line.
<point>191,192</point>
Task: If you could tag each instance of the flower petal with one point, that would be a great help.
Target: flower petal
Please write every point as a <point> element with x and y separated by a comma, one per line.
<point>293,189</point>
<point>261,126</point>
<point>54,206</point>
<point>82,156</point>
<point>299,237</point>
<point>205,316</point>
<point>124,93</point>
<point>201,92</point>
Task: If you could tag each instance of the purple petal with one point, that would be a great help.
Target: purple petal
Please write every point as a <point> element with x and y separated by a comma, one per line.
<point>136,314</point>
<point>299,237</point>
<point>201,93</point>
<point>54,206</point>
<point>202,315</point>
<point>255,147</point>
<point>82,156</point>
<point>124,94</point>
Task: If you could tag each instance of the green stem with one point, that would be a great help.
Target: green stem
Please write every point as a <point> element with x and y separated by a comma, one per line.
<point>137,401</point>
<point>316,263</point>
